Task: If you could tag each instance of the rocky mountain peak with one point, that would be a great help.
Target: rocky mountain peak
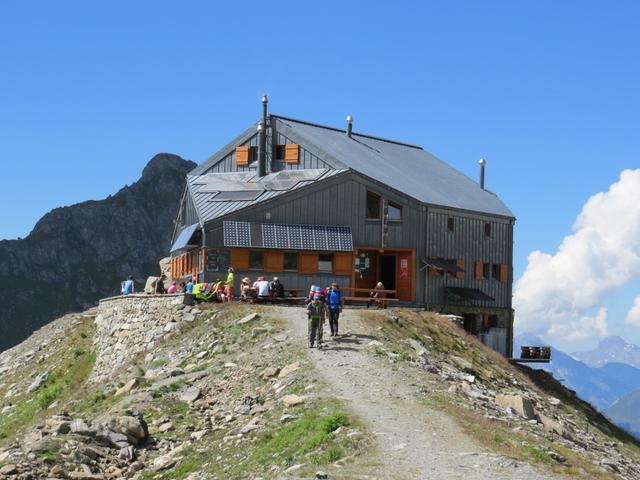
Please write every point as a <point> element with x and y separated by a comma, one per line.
<point>78,254</point>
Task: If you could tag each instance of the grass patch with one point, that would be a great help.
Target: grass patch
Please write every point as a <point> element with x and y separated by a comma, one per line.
<point>74,362</point>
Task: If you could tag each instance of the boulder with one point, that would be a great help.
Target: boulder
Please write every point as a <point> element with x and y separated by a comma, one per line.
<point>134,427</point>
<point>127,387</point>
<point>293,400</point>
<point>248,318</point>
<point>269,372</point>
<point>163,463</point>
<point>522,406</point>
<point>37,383</point>
<point>289,369</point>
<point>190,395</point>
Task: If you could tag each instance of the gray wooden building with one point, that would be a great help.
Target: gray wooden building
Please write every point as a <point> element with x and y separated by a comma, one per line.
<point>313,204</point>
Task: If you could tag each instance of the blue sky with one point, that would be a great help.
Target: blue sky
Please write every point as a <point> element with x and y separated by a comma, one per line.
<point>546,91</point>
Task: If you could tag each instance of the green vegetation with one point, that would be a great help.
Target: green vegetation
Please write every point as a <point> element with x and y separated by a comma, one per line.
<point>69,366</point>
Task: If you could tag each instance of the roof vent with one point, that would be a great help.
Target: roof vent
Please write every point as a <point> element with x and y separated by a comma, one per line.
<point>349,125</point>
<point>482,163</point>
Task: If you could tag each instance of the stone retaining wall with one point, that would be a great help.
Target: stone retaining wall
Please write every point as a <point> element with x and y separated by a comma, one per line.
<point>131,324</point>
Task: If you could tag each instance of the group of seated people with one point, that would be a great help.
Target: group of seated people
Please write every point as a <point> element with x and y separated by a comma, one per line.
<point>261,289</point>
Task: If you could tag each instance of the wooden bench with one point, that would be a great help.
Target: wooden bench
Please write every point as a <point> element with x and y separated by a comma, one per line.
<point>535,353</point>
<point>381,302</point>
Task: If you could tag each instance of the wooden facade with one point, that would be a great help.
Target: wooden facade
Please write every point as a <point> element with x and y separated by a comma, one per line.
<point>479,244</point>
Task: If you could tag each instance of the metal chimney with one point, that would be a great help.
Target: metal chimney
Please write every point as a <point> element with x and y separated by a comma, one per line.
<point>482,163</point>
<point>262,140</point>
<point>349,125</point>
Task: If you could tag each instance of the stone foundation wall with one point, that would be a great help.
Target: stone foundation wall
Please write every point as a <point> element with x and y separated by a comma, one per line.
<point>131,324</point>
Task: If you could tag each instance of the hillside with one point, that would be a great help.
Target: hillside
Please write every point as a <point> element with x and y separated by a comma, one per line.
<point>624,412</point>
<point>146,387</point>
<point>78,254</point>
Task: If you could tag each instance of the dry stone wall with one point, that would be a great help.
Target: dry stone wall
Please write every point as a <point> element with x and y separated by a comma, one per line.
<point>131,324</point>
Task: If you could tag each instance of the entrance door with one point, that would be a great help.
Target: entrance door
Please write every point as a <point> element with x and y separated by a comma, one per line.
<point>388,272</point>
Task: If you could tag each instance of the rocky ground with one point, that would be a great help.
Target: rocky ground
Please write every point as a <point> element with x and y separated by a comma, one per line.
<point>235,393</point>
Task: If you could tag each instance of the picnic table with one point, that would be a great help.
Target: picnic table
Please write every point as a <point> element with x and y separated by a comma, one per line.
<point>382,300</point>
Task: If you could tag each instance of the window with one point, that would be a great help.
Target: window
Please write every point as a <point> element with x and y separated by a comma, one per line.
<point>487,229</point>
<point>278,152</point>
<point>290,261</point>
<point>395,212</point>
<point>486,271</point>
<point>373,205</point>
<point>256,260</point>
<point>495,271</point>
<point>325,263</point>
<point>450,224</point>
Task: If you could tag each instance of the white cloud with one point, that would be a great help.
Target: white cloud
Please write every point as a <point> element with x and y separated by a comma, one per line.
<point>633,315</point>
<point>558,294</point>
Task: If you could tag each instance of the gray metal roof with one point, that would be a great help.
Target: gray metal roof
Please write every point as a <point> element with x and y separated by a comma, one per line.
<point>407,168</point>
<point>212,193</point>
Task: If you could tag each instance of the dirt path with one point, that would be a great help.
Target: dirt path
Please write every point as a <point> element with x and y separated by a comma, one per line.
<point>413,441</point>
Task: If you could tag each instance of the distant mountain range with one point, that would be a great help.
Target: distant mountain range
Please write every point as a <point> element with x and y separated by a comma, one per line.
<point>600,386</point>
<point>611,350</point>
<point>76,255</point>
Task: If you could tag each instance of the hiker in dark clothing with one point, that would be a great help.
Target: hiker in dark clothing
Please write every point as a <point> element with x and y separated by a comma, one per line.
<point>276,289</point>
<point>159,288</point>
<point>316,315</point>
<point>334,304</point>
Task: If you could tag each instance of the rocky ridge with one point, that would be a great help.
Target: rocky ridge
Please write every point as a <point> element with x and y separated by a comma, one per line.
<point>76,255</point>
<point>233,393</point>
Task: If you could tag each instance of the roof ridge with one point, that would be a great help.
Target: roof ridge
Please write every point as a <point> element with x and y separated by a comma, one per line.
<point>364,135</point>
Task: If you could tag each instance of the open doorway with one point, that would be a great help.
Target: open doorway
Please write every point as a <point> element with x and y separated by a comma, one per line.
<point>388,271</point>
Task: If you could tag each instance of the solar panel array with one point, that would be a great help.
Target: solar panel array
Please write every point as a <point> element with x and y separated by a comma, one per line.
<point>332,238</point>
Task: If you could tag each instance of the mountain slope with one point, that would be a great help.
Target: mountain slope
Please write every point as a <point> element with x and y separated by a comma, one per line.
<point>611,350</point>
<point>624,412</point>
<point>232,392</point>
<point>78,254</point>
<point>598,386</point>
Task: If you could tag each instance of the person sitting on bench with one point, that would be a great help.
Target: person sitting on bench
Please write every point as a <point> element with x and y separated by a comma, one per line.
<point>276,289</point>
<point>375,294</point>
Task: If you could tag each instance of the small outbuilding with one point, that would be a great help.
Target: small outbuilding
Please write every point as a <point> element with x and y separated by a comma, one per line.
<point>314,204</point>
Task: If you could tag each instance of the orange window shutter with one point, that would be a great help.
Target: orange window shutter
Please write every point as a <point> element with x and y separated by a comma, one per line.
<point>343,264</point>
<point>240,260</point>
<point>273,261</point>
<point>308,263</point>
<point>242,156</point>
<point>504,272</point>
<point>460,264</point>
<point>479,270</point>
<point>292,153</point>
<point>433,272</point>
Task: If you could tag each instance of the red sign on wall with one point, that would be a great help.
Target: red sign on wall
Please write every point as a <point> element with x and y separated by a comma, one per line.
<point>404,268</point>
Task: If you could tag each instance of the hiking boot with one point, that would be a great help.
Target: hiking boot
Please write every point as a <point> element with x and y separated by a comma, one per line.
<point>311,345</point>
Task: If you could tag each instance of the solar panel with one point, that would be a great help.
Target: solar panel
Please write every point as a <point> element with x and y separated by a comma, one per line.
<point>237,196</point>
<point>288,237</point>
<point>237,234</point>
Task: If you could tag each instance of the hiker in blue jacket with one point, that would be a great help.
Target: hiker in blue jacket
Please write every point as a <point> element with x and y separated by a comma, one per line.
<point>334,304</point>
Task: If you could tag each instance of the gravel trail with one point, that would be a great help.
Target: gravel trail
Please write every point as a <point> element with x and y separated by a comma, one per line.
<point>412,440</point>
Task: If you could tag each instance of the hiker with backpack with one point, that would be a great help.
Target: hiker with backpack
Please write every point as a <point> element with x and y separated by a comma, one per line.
<point>315,310</point>
<point>334,306</point>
